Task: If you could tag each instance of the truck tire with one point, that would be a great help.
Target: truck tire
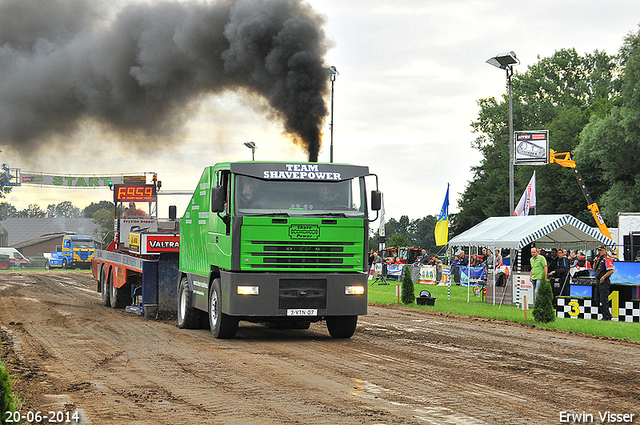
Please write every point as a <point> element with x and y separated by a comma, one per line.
<point>104,287</point>
<point>119,296</point>
<point>342,326</point>
<point>222,325</point>
<point>4,265</point>
<point>189,317</point>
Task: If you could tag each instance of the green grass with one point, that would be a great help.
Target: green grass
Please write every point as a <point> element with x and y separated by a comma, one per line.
<point>382,294</point>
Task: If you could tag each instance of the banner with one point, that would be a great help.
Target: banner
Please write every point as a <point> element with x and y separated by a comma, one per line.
<point>471,274</point>
<point>528,199</point>
<point>427,275</point>
<point>78,181</point>
<point>442,224</point>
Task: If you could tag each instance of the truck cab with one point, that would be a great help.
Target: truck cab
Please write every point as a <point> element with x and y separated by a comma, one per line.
<point>270,242</point>
<point>76,251</point>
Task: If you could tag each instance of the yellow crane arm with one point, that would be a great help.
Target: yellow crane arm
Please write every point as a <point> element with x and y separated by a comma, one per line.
<point>564,159</point>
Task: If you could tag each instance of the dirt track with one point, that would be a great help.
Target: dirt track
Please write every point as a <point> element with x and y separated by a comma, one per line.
<point>67,353</point>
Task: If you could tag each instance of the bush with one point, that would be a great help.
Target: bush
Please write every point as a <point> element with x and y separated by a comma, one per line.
<point>543,311</point>
<point>408,294</point>
<point>7,402</point>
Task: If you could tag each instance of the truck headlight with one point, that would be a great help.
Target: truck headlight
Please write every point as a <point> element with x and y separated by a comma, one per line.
<point>354,290</point>
<point>248,290</point>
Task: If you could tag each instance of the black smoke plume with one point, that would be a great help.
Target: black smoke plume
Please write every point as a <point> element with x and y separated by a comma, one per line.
<point>140,72</point>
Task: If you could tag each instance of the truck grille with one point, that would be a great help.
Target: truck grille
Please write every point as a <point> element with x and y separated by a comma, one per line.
<point>299,255</point>
<point>302,293</point>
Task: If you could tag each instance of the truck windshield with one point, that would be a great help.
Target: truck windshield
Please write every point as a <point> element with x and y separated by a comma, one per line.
<point>294,197</point>
<point>82,243</point>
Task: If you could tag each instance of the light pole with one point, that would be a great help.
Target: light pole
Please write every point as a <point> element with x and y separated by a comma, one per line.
<point>332,76</point>
<point>506,61</point>
<point>253,148</point>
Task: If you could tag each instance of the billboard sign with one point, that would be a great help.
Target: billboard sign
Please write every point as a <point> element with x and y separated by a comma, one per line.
<point>531,147</point>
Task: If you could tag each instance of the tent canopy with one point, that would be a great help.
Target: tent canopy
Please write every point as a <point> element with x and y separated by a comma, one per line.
<point>547,231</point>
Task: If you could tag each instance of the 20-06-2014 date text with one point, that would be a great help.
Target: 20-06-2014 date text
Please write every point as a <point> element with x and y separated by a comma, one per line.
<point>48,417</point>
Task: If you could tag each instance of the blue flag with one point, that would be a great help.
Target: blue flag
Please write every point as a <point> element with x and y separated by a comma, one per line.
<point>442,224</point>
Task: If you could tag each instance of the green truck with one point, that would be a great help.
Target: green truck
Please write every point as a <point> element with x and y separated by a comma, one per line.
<point>278,243</point>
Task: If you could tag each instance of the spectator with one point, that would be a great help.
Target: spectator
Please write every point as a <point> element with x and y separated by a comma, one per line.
<point>376,258</point>
<point>425,260</point>
<point>553,260</point>
<point>488,258</point>
<point>582,261</point>
<point>395,259</point>
<point>463,261</point>
<point>370,257</point>
<point>132,211</point>
<point>574,258</point>
<point>498,258</point>
<point>560,274</point>
<point>538,271</point>
<point>603,266</point>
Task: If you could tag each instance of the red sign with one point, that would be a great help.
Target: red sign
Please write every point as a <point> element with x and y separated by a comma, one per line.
<point>162,243</point>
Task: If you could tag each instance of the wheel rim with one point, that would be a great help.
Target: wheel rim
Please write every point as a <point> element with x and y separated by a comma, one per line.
<point>183,304</point>
<point>214,309</point>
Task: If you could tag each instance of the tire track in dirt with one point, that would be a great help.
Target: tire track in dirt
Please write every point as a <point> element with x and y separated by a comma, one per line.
<point>401,366</point>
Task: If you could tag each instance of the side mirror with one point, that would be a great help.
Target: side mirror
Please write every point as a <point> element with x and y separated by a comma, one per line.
<point>172,212</point>
<point>376,200</point>
<point>218,198</point>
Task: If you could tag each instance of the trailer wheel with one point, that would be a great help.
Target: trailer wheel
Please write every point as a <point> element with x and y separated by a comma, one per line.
<point>119,296</point>
<point>188,317</point>
<point>342,326</point>
<point>222,325</point>
<point>104,287</point>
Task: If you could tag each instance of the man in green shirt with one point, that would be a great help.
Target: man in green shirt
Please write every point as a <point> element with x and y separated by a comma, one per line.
<point>538,271</point>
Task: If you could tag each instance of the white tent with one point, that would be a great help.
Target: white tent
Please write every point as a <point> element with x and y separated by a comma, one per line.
<point>547,231</point>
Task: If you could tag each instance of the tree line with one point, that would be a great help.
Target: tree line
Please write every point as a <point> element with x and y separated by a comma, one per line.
<point>591,106</point>
<point>101,213</point>
<point>62,209</point>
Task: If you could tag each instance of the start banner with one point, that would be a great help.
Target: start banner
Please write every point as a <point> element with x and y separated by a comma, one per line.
<point>79,181</point>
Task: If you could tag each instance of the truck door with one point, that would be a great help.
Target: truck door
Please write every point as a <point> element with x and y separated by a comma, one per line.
<point>221,223</point>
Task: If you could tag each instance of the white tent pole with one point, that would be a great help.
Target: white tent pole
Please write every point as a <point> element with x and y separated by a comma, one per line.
<point>495,270</point>
<point>468,273</point>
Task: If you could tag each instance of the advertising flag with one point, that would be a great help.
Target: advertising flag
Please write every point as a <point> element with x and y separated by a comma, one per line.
<point>442,225</point>
<point>528,199</point>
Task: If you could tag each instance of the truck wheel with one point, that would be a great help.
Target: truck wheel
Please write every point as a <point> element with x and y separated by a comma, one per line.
<point>188,317</point>
<point>342,326</point>
<point>4,265</point>
<point>104,287</point>
<point>119,296</point>
<point>222,325</point>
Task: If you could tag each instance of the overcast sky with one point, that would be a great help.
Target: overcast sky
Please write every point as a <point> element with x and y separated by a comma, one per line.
<point>411,73</point>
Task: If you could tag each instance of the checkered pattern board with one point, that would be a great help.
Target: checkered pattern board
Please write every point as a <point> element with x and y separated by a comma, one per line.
<point>629,312</point>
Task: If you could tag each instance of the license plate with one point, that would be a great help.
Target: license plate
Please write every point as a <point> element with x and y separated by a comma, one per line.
<point>302,312</point>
